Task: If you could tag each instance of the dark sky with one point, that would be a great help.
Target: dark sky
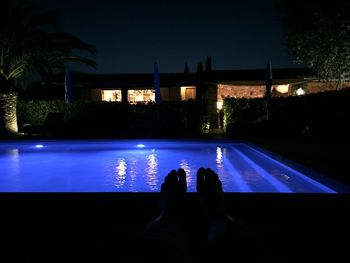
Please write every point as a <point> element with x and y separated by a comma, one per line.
<point>131,35</point>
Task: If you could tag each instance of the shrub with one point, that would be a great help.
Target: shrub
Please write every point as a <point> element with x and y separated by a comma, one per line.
<point>35,112</point>
<point>241,111</point>
<point>320,114</point>
<point>176,119</point>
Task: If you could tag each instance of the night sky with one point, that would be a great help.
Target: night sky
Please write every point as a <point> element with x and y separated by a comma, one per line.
<point>131,35</point>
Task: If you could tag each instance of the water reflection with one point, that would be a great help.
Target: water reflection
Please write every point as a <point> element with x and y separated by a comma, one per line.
<point>184,165</point>
<point>14,153</point>
<point>251,177</point>
<point>219,161</point>
<point>121,173</point>
<point>280,175</point>
<point>151,171</point>
<point>14,164</point>
<point>133,166</point>
<point>219,157</point>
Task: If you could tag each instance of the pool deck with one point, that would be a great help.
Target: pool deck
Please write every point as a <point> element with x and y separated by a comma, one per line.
<point>51,227</point>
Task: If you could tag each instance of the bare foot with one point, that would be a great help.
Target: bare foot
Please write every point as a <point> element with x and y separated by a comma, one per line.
<point>209,188</point>
<point>212,197</point>
<point>173,192</point>
<point>166,232</point>
<point>224,232</point>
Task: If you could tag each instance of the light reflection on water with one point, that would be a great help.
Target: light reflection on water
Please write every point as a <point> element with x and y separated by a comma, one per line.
<point>14,165</point>
<point>151,172</point>
<point>126,169</point>
<point>219,162</point>
<point>145,168</point>
<point>184,165</point>
<point>121,173</point>
<point>218,157</point>
<point>133,172</point>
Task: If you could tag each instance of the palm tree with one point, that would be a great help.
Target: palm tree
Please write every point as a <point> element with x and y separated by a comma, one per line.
<point>31,43</point>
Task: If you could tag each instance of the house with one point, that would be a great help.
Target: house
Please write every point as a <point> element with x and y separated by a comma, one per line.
<point>213,86</point>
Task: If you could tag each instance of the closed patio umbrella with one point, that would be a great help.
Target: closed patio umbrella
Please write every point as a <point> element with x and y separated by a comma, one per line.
<point>158,97</point>
<point>268,87</point>
<point>68,96</point>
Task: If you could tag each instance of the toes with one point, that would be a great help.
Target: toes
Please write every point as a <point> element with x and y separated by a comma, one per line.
<point>201,179</point>
<point>170,182</point>
<point>163,188</point>
<point>171,178</point>
<point>182,180</point>
<point>175,181</point>
<point>211,180</point>
<point>220,187</point>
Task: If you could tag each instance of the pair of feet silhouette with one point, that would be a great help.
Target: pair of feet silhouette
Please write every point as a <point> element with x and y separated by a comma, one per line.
<point>209,189</point>
<point>179,236</point>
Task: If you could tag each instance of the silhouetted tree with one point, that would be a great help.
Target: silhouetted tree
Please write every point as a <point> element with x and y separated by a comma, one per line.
<point>186,70</point>
<point>208,64</point>
<point>200,67</point>
<point>31,43</point>
<point>318,34</point>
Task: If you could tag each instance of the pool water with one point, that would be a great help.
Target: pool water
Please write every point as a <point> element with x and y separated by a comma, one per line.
<point>140,166</point>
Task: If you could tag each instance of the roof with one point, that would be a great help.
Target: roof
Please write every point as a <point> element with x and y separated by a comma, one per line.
<point>238,77</point>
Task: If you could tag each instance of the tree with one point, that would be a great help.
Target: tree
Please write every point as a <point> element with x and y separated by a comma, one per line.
<point>208,64</point>
<point>318,34</point>
<point>31,43</point>
<point>186,70</point>
<point>200,67</point>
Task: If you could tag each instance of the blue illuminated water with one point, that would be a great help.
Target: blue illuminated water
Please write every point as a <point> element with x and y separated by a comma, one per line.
<point>140,166</point>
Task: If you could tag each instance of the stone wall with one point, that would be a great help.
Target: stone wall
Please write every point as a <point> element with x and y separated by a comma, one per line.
<point>239,91</point>
<point>258,91</point>
<point>316,87</point>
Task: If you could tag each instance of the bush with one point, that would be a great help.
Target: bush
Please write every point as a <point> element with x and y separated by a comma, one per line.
<point>241,112</point>
<point>35,112</point>
<point>321,114</point>
<point>86,118</point>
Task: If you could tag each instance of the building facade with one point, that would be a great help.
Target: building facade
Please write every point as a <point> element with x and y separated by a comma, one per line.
<point>212,86</point>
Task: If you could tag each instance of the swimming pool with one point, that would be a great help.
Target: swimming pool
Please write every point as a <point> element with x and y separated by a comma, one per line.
<point>140,166</point>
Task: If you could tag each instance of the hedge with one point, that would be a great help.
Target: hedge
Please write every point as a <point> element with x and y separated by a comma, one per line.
<point>320,114</point>
<point>183,118</point>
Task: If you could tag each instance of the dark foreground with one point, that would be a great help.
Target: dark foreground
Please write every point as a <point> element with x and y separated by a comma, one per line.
<point>100,227</point>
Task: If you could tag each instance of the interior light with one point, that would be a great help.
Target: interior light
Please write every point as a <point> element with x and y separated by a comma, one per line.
<point>219,105</point>
<point>140,146</point>
<point>39,146</point>
<point>282,88</point>
<point>300,92</point>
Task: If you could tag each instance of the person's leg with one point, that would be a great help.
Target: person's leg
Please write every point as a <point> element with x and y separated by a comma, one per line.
<point>229,240</point>
<point>212,198</point>
<point>165,235</point>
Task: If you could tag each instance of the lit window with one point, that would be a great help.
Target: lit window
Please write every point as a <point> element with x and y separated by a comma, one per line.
<point>142,95</point>
<point>111,95</point>
<point>282,88</point>
<point>188,93</point>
